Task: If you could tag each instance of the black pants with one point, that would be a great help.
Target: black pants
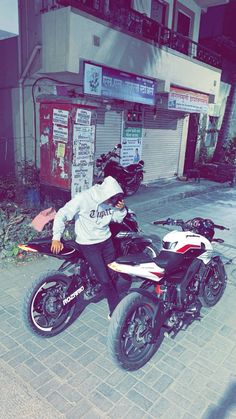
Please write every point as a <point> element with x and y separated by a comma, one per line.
<point>98,256</point>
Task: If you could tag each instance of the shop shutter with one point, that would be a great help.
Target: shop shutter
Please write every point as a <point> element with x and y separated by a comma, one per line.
<point>108,130</point>
<point>161,144</point>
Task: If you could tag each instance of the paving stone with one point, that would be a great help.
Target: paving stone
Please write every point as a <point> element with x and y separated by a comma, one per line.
<point>121,408</point>
<point>147,391</point>
<point>100,401</point>
<point>49,387</point>
<point>163,383</point>
<point>19,359</point>
<point>25,373</point>
<point>79,410</point>
<point>88,385</point>
<point>58,401</point>
<point>109,392</point>
<point>35,365</point>
<point>136,413</point>
<point>167,369</point>
<point>139,400</point>
<point>126,384</point>
<point>152,376</point>
<point>69,393</point>
<point>87,358</point>
<point>60,370</point>
<point>176,398</point>
<point>160,407</point>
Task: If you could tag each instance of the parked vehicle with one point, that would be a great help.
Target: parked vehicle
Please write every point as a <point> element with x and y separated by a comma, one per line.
<point>50,302</point>
<point>184,276</point>
<point>129,177</point>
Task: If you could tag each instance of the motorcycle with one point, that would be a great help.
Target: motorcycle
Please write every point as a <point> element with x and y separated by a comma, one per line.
<point>50,303</point>
<point>129,177</point>
<point>184,276</point>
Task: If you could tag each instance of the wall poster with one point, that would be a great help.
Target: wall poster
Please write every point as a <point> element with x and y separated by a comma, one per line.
<point>131,151</point>
<point>83,152</point>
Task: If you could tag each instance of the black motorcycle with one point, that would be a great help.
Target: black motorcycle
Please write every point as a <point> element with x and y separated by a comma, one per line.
<point>51,301</point>
<point>184,276</point>
<point>129,177</point>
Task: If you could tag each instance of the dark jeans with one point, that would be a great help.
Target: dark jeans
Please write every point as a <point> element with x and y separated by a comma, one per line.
<point>98,256</point>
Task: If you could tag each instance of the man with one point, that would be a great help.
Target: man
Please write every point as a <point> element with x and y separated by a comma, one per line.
<point>93,210</point>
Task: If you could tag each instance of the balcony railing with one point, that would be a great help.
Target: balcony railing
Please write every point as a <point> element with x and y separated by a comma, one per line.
<point>138,24</point>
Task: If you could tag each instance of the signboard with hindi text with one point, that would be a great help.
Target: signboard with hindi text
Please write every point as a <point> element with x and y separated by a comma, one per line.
<point>187,101</point>
<point>110,83</point>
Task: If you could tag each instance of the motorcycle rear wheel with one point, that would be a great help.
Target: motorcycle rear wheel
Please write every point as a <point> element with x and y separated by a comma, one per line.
<point>43,310</point>
<point>213,288</point>
<point>129,332</point>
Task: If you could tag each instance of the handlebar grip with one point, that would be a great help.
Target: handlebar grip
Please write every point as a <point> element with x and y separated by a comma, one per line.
<point>161,222</point>
<point>220,227</point>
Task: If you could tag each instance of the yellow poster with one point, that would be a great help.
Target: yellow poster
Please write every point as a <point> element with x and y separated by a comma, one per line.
<point>60,152</point>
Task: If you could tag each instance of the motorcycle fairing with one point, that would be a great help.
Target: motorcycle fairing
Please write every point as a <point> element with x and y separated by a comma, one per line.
<point>186,242</point>
<point>148,270</point>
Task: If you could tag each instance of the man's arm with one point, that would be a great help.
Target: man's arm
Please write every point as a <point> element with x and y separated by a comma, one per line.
<point>64,214</point>
<point>118,216</point>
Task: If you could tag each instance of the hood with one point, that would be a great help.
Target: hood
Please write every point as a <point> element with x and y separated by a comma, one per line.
<point>106,190</point>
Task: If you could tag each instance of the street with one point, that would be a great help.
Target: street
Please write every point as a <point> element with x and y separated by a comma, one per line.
<point>192,376</point>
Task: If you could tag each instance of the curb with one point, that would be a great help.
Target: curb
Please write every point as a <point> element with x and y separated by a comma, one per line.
<point>177,196</point>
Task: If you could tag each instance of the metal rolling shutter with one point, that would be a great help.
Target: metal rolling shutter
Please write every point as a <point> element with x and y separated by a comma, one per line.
<point>161,144</point>
<point>108,130</point>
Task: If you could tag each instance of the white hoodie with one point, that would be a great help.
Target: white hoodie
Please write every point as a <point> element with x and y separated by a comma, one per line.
<point>92,216</point>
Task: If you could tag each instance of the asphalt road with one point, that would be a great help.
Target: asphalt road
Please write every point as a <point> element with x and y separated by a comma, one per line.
<point>71,376</point>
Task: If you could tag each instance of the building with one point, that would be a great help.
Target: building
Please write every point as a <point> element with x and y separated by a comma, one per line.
<point>132,69</point>
<point>222,38</point>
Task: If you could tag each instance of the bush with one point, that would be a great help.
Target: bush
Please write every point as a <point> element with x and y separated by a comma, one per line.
<point>15,228</point>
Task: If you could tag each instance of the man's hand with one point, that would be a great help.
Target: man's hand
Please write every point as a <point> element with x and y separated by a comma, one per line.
<point>120,205</point>
<point>56,247</point>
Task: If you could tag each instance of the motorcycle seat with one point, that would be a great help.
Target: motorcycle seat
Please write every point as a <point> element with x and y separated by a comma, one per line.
<point>134,259</point>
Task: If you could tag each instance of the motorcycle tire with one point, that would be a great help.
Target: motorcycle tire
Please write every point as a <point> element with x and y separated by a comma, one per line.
<point>43,311</point>
<point>213,288</point>
<point>131,187</point>
<point>127,343</point>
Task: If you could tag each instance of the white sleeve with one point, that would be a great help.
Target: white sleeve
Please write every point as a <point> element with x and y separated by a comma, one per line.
<point>64,214</point>
<point>119,215</point>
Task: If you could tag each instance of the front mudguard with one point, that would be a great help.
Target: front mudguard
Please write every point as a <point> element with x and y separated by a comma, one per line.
<point>160,314</point>
<point>215,260</point>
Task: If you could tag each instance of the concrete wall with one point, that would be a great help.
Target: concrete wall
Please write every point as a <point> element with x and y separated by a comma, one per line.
<point>68,39</point>
<point>8,81</point>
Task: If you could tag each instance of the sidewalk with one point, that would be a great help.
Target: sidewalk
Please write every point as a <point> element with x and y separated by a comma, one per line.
<point>71,375</point>
<point>169,190</point>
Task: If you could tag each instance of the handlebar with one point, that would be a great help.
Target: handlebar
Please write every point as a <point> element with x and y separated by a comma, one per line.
<point>169,221</point>
<point>182,223</point>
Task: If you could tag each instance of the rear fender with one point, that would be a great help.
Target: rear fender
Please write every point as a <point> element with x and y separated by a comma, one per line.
<point>70,251</point>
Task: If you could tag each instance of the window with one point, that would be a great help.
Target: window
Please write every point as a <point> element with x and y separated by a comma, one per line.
<point>159,11</point>
<point>183,24</point>
<point>183,20</point>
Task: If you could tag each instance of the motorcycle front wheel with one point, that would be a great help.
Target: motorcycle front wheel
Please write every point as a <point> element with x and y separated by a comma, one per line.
<point>133,184</point>
<point>213,287</point>
<point>43,310</point>
<point>129,333</point>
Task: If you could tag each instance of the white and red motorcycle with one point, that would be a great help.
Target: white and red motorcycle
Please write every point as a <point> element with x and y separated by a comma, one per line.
<point>183,277</point>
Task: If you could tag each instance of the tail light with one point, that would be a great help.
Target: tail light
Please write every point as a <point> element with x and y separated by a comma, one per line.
<point>27,248</point>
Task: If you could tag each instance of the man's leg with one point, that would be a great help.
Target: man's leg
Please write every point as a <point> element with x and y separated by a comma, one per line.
<point>96,259</point>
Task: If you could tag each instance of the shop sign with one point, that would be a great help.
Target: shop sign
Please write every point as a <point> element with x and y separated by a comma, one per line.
<point>109,83</point>
<point>187,101</point>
